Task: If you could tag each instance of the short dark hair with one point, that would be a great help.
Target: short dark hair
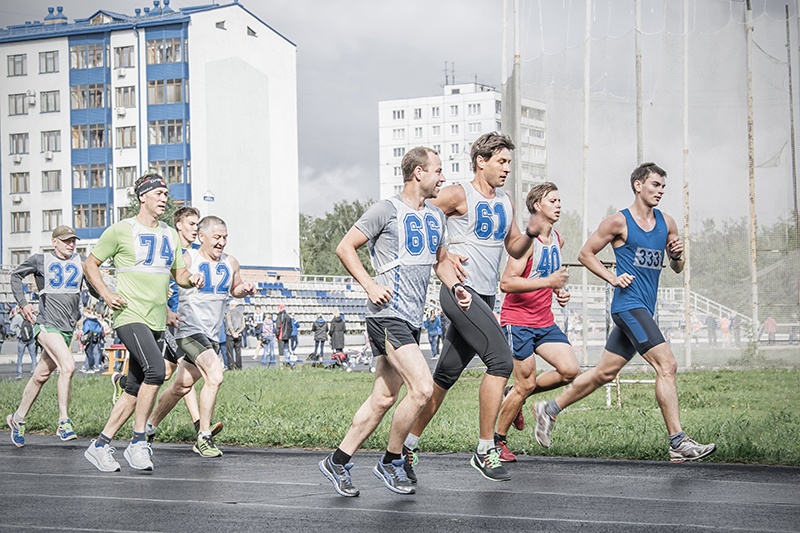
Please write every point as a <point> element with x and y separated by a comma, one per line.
<point>489,144</point>
<point>641,172</point>
<point>183,212</point>
<point>537,193</point>
<point>419,156</point>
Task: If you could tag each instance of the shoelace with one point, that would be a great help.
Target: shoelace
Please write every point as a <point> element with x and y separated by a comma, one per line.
<point>345,473</point>
<point>493,458</point>
<point>399,473</point>
<point>413,458</point>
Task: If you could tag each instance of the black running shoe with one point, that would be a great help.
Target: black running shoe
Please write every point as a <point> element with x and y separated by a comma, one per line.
<point>411,459</point>
<point>489,465</point>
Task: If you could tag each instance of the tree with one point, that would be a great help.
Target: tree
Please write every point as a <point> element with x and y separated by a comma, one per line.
<point>320,236</point>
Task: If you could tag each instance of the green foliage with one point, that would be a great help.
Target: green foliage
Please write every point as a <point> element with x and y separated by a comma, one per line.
<point>749,414</point>
<point>132,209</point>
<point>320,236</point>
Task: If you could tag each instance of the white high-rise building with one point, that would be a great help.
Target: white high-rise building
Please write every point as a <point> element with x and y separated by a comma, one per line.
<point>205,96</point>
<point>449,124</point>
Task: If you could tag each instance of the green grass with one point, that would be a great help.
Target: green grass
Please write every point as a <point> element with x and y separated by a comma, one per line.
<point>752,415</point>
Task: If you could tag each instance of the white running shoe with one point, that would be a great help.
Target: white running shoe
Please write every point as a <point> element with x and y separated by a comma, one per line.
<point>102,457</point>
<point>138,455</point>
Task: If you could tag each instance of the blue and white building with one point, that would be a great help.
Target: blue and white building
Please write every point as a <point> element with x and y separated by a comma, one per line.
<point>204,95</point>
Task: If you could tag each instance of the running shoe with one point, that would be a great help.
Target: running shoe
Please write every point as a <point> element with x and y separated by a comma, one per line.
<point>544,424</point>
<point>489,465</point>
<point>519,420</point>
<point>205,447</point>
<point>410,461</point>
<point>118,390</point>
<point>66,431</point>
<point>216,429</point>
<point>150,432</point>
<point>689,450</point>
<point>506,456</point>
<point>339,475</point>
<point>394,476</point>
<point>138,455</point>
<point>102,457</point>
<point>17,431</point>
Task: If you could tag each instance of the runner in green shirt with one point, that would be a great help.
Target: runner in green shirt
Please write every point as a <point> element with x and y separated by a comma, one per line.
<point>145,253</point>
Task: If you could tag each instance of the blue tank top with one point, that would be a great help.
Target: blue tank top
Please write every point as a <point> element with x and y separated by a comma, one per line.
<point>642,256</point>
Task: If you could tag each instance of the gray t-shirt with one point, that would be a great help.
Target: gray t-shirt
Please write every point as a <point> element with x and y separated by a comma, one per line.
<point>59,283</point>
<point>403,243</point>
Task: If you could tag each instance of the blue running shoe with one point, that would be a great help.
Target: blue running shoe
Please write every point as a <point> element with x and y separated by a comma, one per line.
<point>339,475</point>
<point>17,431</point>
<point>394,476</point>
<point>66,431</point>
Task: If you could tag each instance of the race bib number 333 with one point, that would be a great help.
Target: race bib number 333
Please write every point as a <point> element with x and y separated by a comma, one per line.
<point>648,258</point>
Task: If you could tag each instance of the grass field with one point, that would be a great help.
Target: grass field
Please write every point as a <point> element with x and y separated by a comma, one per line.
<point>752,415</point>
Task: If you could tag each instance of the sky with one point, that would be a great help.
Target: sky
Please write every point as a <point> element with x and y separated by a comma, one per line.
<point>351,54</point>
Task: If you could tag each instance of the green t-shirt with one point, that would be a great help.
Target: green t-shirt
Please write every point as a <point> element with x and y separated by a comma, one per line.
<point>143,258</point>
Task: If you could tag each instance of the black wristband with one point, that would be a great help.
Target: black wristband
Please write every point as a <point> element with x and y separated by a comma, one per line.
<point>529,234</point>
<point>453,288</point>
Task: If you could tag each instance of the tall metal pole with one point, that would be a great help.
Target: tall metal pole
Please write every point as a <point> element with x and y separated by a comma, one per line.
<point>517,133</point>
<point>791,131</point>
<point>638,42</point>
<point>587,57</point>
<point>504,53</point>
<point>687,271</point>
<point>751,169</point>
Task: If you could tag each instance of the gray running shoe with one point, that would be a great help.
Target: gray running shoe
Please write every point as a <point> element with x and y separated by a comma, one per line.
<point>339,475</point>
<point>394,476</point>
<point>489,465</point>
<point>102,457</point>
<point>138,455</point>
<point>689,450</point>
<point>544,424</point>
<point>410,460</point>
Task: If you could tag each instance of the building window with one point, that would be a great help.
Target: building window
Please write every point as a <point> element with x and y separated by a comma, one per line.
<point>454,168</point>
<point>538,152</point>
<point>21,222</point>
<point>51,180</point>
<point>535,133</point>
<point>126,96</point>
<point>399,152</point>
<point>83,56</point>
<point>20,182</point>
<point>51,141</point>
<point>454,129</point>
<point>417,113</point>
<point>251,32</point>
<point>397,172</point>
<point>417,133</point>
<point>498,107</point>
<point>80,137</point>
<point>166,132</point>
<point>454,148</point>
<point>398,189</point>
<point>121,212</point>
<point>97,135</point>
<point>165,92</point>
<point>18,143</point>
<point>90,216</point>
<point>453,110</point>
<point>173,171</point>
<point>437,148</point>
<point>474,127</point>
<point>88,176</point>
<point>88,136</point>
<point>126,137</point>
<point>533,113</point>
<point>51,219</point>
<point>398,114</point>
<point>473,109</point>
<point>48,62</point>
<point>19,256</point>
<point>398,134</point>
<point>88,96</point>
<point>165,51</point>
<point>435,112</point>
<point>18,65</point>
<point>123,56</point>
<point>96,95</point>
<point>436,131</point>
<point>50,101</point>
<point>17,104</point>
<point>126,177</point>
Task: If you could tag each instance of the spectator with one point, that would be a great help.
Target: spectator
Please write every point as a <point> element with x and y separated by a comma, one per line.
<point>771,329</point>
<point>223,348</point>
<point>337,330</point>
<point>283,327</point>
<point>293,338</point>
<point>92,339</point>
<point>257,319</point>
<point>711,326</point>
<point>234,329</point>
<point>433,323</point>
<point>725,328</point>
<point>25,341</point>
<point>267,340</point>
<point>320,331</point>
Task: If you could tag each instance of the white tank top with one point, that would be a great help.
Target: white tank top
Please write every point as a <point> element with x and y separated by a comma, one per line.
<point>203,310</point>
<point>480,234</point>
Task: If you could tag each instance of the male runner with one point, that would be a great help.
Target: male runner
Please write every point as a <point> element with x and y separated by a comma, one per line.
<point>58,276</point>
<point>480,222</point>
<point>201,313</point>
<point>405,238</point>
<point>145,253</point>
<point>530,283</point>
<point>639,235</point>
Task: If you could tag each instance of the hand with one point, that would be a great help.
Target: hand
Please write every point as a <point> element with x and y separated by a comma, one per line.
<point>463,297</point>
<point>248,288</point>
<point>379,294</point>
<point>28,313</point>
<point>675,249</point>
<point>456,261</point>
<point>173,320</point>
<point>562,296</point>
<point>622,281</point>
<point>559,278</point>
<point>115,301</point>
<point>197,280</point>
<point>535,225</point>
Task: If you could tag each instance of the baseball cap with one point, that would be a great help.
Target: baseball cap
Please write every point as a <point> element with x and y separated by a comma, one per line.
<point>64,233</point>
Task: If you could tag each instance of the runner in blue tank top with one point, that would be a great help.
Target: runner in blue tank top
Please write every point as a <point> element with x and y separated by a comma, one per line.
<point>640,235</point>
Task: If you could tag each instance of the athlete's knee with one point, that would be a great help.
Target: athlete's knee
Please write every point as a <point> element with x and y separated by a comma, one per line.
<point>603,376</point>
<point>525,387</point>
<point>420,393</point>
<point>213,379</point>
<point>502,365</point>
<point>383,402</point>
<point>66,367</point>
<point>569,372</point>
<point>154,374</point>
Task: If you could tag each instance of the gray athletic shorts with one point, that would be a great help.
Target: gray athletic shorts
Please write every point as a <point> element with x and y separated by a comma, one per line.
<point>193,345</point>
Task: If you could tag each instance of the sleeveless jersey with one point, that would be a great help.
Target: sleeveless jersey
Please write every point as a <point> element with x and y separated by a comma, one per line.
<point>203,310</point>
<point>641,256</point>
<point>480,234</point>
<point>534,309</point>
<point>403,244</point>
<point>60,294</point>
